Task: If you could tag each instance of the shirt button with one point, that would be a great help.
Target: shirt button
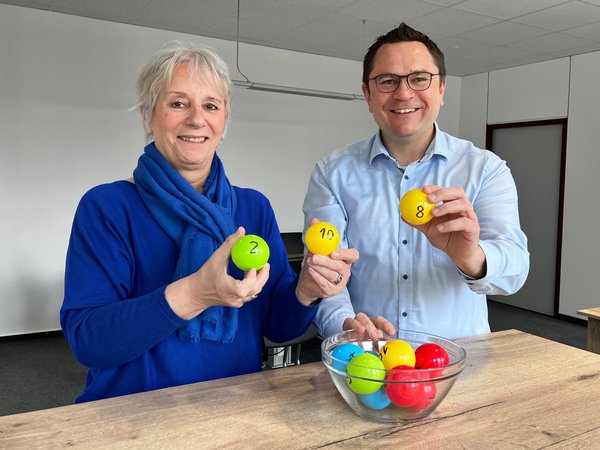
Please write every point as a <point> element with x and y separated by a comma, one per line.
<point>406,177</point>
<point>405,242</point>
<point>405,277</point>
<point>404,314</point>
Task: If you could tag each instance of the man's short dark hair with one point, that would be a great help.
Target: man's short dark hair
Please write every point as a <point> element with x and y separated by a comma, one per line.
<point>403,33</point>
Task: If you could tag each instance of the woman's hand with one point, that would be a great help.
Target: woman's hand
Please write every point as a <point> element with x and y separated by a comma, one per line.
<point>211,285</point>
<point>325,276</point>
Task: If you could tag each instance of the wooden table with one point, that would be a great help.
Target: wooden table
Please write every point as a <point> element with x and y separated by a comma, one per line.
<point>517,390</point>
<point>593,328</point>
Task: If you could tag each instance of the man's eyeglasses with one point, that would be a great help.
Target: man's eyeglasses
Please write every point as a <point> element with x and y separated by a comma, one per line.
<point>417,81</point>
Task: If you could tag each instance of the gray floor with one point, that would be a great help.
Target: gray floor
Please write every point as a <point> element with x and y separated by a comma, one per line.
<point>40,372</point>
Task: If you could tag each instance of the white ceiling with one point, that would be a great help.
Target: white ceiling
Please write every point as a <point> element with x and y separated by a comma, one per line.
<point>475,35</point>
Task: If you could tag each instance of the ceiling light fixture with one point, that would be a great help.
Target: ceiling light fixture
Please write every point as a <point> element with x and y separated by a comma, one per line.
<point>296,91</point>
<point>247,84</point>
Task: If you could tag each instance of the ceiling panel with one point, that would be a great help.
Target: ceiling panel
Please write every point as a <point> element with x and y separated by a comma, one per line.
<point>506,9</point>
<point>562,17</point>
<point>476,35</point>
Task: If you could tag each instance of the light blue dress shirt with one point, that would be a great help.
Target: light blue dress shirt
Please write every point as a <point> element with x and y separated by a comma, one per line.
<point>400,275</point>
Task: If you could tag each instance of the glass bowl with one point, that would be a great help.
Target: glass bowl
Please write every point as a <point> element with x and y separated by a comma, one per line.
<point>393,394</point>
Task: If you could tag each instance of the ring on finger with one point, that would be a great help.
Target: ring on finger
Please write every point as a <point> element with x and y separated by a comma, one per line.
<point>338,280</point>
<point>249,299</point>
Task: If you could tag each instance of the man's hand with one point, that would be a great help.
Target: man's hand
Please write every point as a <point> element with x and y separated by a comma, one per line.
<point>454,229</point>
<point>374,327</point>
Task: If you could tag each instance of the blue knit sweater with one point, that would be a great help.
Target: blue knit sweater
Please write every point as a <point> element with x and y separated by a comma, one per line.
<point>115,315</point>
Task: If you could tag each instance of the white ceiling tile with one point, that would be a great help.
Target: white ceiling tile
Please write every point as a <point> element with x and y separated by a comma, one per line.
<point>279,12</point>
<point>35,4</point>
<point>457,47</point>
<point>503,33</point>
<point>594,47</point>
<point>506,9</point>
<point>475,35</point>
<point>495,55</point>
<point>451,22</point>
<point>330,35</point>
<point>462,67</point>
<point>172,15</point>
<point>551,43</point>
<point>325,5</point>
<point>444,2</point>
<point>250,31</point>
<point>590,31</point>
<point>567,15</point>
<point>389,11</point>
<point>112,10</point>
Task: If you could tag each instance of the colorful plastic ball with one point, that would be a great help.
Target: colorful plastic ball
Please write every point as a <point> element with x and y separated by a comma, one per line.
<point>376,400</point>
<point>344,353</point>
<point>364,371</point>
<point>415,208</point>
<point>395,353</point>
<point>250,252</point>
<point>431,355</point>
<point>322,238</point>
<point>409,392</point>
<point>426,397</point>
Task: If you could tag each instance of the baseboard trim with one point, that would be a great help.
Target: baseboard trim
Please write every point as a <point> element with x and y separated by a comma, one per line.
<point>572,319</point>
<point>22,337</point>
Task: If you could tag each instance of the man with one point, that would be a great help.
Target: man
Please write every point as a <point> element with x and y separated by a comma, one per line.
<point>432,277</point>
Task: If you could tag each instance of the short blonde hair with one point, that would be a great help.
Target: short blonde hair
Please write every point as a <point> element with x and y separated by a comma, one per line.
<point>156,75</point>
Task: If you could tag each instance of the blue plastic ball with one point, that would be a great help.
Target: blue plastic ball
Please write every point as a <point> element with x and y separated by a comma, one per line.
<point>344,353</point>
<point>376,400</point>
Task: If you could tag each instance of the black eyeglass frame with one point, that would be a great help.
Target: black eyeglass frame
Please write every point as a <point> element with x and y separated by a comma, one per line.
<point>431,75</point>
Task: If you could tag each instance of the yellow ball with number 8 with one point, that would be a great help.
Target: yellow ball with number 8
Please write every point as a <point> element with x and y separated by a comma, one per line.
<point>322,238</point>
<point>415,208</point>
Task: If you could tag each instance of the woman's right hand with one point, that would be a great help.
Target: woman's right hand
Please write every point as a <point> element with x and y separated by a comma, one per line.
<point>211,285</point>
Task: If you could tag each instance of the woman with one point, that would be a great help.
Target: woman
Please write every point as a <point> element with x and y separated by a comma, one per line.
<point>151,297</point>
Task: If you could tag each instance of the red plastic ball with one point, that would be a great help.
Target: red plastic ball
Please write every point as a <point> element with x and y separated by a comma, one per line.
<point>408,393</point>
<point>430,355</point>
<point>426,398</point>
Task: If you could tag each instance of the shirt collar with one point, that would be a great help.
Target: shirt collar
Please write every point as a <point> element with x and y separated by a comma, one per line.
<point>437,147</point>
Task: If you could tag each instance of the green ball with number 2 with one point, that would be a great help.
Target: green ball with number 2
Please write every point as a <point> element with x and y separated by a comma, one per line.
<point>250,251</point>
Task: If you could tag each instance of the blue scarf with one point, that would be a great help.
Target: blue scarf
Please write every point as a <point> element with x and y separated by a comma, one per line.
<point>199,223</point>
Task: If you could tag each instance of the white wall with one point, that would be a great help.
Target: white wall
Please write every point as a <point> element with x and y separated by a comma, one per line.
<point>539,91</point>
<point>66,86</point>
<point>67,83</point>
<point>473,108</point>
<point>449,118</point>
<point>580,248</point>
<point>554,89</point>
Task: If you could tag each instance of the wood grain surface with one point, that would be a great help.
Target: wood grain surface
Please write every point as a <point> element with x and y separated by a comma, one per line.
<point>517,391</point>
<point>593,328</point>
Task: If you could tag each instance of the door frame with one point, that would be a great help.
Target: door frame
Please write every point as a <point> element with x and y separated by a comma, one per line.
<point>563,157</point>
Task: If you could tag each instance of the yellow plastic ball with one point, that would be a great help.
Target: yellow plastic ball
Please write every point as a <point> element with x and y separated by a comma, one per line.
<point>415,208</point>
<point>322,238</point>
<point>396,352</point>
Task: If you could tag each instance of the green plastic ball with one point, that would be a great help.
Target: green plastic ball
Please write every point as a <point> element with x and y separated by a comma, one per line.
<point>364,371</point>
<point>250,251</point>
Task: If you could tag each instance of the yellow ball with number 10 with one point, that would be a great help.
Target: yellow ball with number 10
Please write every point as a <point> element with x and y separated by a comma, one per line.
<point>415,208</point>
<point>322,238</point>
